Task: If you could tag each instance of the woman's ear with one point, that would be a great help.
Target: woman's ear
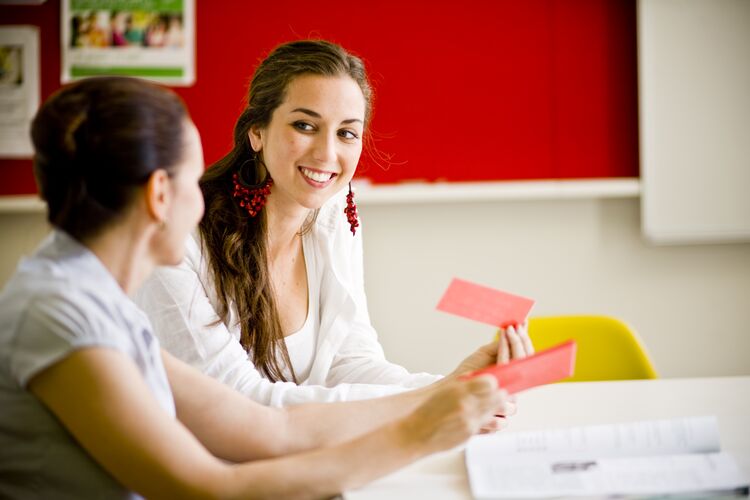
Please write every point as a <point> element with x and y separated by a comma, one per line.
<point>158,195</point>
<point>255,134</point>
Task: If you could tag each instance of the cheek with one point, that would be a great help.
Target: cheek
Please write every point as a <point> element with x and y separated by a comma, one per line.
<point>197,203</point>
<point>280,152</point>
<point>190,206</point>
<point>293,147</point>
<point>352,158</point>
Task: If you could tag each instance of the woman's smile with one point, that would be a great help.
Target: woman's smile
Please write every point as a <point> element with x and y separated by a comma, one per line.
<point>317,178</point>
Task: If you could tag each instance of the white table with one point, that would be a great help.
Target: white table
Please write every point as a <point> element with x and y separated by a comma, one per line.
<point>443,476</point>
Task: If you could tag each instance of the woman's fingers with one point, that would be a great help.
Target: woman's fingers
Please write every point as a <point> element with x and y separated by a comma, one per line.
<point>500,404</point>
<point>503,350</point>
<point>506,408</point>
<point>509,408</point>
<point>523,332</point>
<point>493,425</point>
<point>489,398</point>
<point>517,349</point>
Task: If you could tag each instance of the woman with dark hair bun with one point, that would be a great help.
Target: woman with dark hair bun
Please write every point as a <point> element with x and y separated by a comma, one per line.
<point>270,298</point>
<point>91,406</point>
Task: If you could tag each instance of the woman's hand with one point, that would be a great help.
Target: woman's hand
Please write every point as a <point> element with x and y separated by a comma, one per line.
<point>514,343</point>
<point>455,412</point>
<point>511,343</point>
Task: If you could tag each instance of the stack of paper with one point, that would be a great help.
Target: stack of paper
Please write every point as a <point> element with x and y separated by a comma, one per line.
<point>660,457</point>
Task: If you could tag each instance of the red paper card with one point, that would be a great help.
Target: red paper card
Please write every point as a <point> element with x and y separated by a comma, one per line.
<point>550,365</point>
<point>484,304</point>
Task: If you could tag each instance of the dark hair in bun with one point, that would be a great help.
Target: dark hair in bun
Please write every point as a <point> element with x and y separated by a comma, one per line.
<point>96,141</point>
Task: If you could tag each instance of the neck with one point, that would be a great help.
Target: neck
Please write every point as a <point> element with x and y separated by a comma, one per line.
<point>284,224</point>
<point>124,252</point>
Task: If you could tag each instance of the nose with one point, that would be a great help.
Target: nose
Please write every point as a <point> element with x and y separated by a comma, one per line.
<point>325,148</point>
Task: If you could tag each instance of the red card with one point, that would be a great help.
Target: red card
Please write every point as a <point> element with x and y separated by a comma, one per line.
<point>550,365</point>
<point>485,304</point>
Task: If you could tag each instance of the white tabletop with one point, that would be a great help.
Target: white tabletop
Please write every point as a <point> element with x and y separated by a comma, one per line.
<point>443,476</point>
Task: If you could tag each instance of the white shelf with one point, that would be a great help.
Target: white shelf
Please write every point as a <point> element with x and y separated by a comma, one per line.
<point>499,190</point>
<point>27,203</point>
<point>439,192</point>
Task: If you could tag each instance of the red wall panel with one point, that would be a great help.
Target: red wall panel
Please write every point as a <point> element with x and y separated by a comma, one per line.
<point>465,91</point>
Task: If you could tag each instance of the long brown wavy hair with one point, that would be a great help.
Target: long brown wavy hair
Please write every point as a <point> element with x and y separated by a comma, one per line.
<point>235,243</point>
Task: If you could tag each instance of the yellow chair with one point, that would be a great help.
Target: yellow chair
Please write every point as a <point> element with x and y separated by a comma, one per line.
<point>607,348</point>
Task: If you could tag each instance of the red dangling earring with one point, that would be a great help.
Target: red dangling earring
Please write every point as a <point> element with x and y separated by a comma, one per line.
<point>351,211</point>
<point>252,198</point>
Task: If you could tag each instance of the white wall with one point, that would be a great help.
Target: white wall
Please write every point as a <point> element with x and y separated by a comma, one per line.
<point>20,233</point>
<point>694,119</point>
<point>689,303</point>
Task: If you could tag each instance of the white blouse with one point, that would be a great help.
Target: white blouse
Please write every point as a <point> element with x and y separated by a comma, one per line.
<point>348,361</point>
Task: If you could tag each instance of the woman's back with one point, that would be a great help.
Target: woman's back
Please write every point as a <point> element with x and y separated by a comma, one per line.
<point>61,299</point>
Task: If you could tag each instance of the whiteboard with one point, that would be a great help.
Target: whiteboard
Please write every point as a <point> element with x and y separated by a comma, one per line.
<point>694,120</point>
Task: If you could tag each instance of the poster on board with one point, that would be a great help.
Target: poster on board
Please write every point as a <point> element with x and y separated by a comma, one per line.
<point>152,39</point>
<point>19,88</point>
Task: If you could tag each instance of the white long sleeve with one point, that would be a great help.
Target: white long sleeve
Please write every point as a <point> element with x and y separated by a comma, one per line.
<point>187,326</point>
<point>359,357</point>
<point>349,362</point>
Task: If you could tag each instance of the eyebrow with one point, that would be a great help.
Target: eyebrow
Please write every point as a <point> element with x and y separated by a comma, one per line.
<point>312,113</point>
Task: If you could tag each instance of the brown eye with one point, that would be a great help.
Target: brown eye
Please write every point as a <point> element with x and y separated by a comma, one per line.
<point>348,134</point>
<point>303,126</point>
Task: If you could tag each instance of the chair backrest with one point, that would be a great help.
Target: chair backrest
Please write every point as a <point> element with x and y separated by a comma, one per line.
<point>607,348</point>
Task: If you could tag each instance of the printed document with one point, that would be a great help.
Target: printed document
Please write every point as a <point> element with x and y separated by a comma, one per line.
<point>659,457</point>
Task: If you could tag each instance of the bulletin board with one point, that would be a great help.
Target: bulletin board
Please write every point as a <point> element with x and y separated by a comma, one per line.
<point>477,90</point>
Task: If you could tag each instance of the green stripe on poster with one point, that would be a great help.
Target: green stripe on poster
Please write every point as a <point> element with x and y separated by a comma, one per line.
<point>128,5</point>
<point>77,71</point>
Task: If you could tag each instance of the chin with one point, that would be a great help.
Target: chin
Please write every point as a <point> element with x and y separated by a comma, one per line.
<point>316,202</point>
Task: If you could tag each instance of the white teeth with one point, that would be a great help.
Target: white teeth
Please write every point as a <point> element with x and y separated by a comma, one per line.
<point>316,176</point>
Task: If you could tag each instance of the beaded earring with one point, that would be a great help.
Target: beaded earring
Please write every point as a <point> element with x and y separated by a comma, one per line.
<point>252,197</point>
<point>351,211</point>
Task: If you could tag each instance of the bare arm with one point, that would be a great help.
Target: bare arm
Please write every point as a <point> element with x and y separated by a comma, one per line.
<point>442,422</point>
<point>345,420</point>
<point>99,395</point>
<point>114,417</point>
<point>202,401</point>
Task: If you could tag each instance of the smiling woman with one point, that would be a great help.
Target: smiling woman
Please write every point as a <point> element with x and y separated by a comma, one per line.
<point>270,298</point>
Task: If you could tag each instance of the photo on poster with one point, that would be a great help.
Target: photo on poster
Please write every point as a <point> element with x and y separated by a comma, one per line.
<point>19,88</point>
<point>152,39</point>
